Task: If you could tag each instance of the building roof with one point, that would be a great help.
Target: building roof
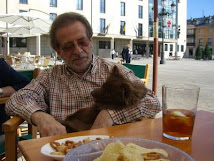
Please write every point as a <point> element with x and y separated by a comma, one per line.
<point>202,21</point>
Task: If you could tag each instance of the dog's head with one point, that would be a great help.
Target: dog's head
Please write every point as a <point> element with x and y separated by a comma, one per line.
<point>118,92</point>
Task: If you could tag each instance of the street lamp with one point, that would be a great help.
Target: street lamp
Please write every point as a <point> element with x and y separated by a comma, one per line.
<point>162,14</point>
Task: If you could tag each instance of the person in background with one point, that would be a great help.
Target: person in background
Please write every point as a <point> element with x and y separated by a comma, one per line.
<point>127,54</point>
<point>123,53</point>
<point>10,82</point>
<point>112,53</point>
<point>116,54</point>
<point>64,89</point>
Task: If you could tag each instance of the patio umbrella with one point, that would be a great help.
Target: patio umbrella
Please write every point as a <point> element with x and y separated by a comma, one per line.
<point>26,19</point>
<point>26,30</point>
<point>31,24</point>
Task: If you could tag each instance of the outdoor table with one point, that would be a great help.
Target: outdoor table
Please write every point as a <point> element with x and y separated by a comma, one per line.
<point>200,147</point>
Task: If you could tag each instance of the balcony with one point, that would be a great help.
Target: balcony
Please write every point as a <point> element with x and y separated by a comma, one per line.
<point>190,44</point>
<point>190,35</point>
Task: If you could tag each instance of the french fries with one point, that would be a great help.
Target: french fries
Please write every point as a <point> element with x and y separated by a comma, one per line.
<point>64,148</point>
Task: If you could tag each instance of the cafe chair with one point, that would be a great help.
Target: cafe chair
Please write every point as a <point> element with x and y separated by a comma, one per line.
<point>141,71</point>
<point>10,129</point>
<point>46,61</point>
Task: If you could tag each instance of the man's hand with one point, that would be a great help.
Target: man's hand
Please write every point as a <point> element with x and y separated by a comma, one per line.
<point>103,120</point>
<point>47,125</point>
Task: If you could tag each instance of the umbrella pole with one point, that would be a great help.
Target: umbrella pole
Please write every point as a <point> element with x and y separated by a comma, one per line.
<point>8,39</point>
<point>155,55</point>
<point>8,45</point>
<point>38,46</point>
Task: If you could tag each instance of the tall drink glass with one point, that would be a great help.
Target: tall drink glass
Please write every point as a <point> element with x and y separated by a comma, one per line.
<point>179,104</point>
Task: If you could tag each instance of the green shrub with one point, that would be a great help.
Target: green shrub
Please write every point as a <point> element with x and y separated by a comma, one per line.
<point>198,53</point>
<point>207,53</point>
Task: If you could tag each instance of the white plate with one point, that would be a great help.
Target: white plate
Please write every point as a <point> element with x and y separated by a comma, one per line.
<point>47,149</point>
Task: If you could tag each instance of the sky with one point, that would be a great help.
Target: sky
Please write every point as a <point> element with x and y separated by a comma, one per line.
<point>200,8</point>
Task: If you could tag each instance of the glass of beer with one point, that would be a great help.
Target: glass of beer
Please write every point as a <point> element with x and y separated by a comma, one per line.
<point>179,106</point>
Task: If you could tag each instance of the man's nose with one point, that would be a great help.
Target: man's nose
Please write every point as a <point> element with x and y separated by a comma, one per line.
<point>77,49</point>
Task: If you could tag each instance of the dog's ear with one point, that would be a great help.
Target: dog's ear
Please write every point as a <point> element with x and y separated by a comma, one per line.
<point>115,71</point>
<point>126,88</point>
<point>116,74</point>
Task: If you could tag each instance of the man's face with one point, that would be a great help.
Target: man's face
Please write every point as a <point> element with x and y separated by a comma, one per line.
<point>75,46</point>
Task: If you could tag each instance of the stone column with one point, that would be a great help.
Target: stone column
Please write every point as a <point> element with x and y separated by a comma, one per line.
<point>38,47</point>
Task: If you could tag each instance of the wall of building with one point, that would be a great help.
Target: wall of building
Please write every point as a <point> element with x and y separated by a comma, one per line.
<point>112,17</point>
<point>182,17</point>
<point>203,29</point>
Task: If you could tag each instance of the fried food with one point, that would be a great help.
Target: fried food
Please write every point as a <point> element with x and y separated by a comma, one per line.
<point>64,148</point>
<point>131,152</point>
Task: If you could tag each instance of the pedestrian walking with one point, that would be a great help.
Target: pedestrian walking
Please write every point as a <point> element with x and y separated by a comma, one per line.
<point>112,53</point>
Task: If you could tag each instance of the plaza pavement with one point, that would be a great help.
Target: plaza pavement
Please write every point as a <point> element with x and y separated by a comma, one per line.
<point>189,71</point>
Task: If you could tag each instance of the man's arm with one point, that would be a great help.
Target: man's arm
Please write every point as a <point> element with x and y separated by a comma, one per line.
<point>29,99</point>
<point>103,120</point>
<point>47,125</point>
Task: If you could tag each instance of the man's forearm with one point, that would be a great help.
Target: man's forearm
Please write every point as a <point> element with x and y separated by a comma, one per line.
<point>47,125</point>
<point>37,116</point>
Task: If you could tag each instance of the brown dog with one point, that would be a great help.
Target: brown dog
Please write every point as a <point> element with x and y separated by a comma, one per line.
<point>116,93</point>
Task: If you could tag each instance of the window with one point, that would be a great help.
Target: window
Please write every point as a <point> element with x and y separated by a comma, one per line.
<point>210,30</point>
<point>122,27</point>
<point>23,1</point>
<point>182,48</point>
<point>79,5</point>
<point>102,6</point>
<point>171,47</point>
<point>18,42</point>
<point>166,47</point>
<point>104,44</point>
<point>209,41</point>
<point>140,29</point>
<point>190,31</point>
<point>52,16</point>
<point>140,12</point>
<point>102,25</point>
<point>122,8</point>
<point>201,41</point>
<point>190,40</point>
<point>53,3</point>
<point>21,11</point>
<point>201,31</point>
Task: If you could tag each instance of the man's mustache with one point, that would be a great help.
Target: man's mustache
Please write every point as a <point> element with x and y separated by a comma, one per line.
<point>79,56</point>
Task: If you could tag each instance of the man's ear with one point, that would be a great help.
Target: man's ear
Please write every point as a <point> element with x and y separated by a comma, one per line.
<point>59,53</point>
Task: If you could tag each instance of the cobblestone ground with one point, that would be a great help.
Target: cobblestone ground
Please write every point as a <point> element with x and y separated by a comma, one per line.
<point>200,73</point>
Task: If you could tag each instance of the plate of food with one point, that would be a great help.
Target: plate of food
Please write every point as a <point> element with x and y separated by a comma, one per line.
<point>59,148</point>
<point>126,149</point>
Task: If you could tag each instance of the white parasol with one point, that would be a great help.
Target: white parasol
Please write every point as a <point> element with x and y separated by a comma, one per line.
<point>31,25</point>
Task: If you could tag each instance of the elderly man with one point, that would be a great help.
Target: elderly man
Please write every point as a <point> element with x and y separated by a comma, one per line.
<point>64,89</point>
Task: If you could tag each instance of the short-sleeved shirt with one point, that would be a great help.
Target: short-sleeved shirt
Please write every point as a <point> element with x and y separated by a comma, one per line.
<point>60,92</point>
